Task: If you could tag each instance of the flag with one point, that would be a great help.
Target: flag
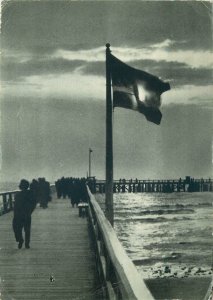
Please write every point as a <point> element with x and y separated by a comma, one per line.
<point>136,89</point>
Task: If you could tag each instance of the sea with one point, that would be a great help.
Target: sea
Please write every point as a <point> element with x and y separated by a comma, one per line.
<point>8,186</point>
<point>166,235</point>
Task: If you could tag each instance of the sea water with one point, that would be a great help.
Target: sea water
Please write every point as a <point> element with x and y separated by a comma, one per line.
<point>8,186</point>
<point>166,235</point>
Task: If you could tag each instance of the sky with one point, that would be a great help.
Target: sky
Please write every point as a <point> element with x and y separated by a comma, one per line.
<point>53,88</point>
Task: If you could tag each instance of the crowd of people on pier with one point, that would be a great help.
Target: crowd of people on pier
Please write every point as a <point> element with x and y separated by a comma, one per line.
<point>40,190</point>
<point>72,188</point>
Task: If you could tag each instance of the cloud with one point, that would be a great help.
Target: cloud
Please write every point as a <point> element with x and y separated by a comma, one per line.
<point>189,94</point>
<point>177,73</point>
<point>190,57</point>
<point>16,70</point>
<point>86,24</point>
<point>179,66</point>
<point>82,73</point>
<point>72,86</point>
<point>90,55</point>
<point>76,86</point>
<point>164,44</point>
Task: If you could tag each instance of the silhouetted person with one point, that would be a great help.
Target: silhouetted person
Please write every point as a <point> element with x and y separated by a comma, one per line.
<point>58,188</point>
<point>23,208</point>
<point>34,189</point>
<point>43,192</point>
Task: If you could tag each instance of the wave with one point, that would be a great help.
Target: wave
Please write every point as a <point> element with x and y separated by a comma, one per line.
<point>194,204</point>
<point>152,260</point>
<point>151,220</point>
<point>200,245</point>
<point>160,211</point>
<point>167,208</point>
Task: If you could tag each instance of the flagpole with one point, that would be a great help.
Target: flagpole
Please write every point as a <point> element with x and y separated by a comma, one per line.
<point>90,150</point>
<point>109,142</point>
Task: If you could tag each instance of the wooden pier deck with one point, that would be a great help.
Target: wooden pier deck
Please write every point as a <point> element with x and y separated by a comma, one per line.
<point>60,247</point>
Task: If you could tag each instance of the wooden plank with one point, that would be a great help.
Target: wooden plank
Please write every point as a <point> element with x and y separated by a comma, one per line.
<point>60,247</point>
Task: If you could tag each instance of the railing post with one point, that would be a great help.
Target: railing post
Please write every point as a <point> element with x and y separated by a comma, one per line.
<point>10,202</point>
<point>4,203</point>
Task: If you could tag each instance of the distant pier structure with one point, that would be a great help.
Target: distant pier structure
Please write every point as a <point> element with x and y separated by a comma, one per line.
<point>154,186</point>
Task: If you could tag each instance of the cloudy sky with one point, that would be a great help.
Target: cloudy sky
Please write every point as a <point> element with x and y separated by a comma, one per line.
<point>53,88</point>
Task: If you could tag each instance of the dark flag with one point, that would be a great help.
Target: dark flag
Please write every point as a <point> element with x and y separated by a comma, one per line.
<point>137,90</point>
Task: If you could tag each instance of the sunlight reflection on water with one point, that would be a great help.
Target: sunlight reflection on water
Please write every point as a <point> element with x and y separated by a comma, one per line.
<point>171,229</point>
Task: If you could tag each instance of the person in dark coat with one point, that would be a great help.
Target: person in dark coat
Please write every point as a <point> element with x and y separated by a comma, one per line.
<point>23,207</point>
<point>34,189</point>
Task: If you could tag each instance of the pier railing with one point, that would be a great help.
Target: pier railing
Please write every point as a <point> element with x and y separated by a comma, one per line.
<point>7,201</point>
<point>155,186</point>
<point>118,274</point>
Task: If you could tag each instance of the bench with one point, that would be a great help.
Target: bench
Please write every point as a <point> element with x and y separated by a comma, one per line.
<point>83,209</point>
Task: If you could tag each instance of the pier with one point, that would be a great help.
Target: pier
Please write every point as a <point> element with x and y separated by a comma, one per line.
<point>60,263</point>
<point>71,257</point>
<point>155,186</point>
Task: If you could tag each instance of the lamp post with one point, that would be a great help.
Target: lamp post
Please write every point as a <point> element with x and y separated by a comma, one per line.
<point>90,151</point>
